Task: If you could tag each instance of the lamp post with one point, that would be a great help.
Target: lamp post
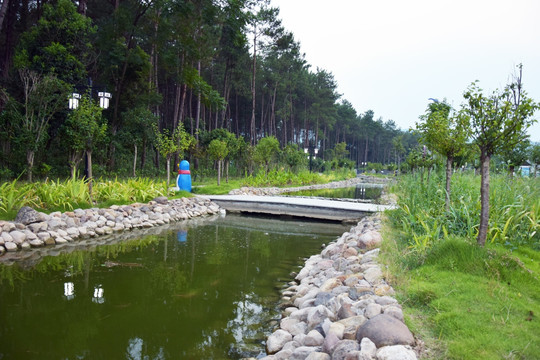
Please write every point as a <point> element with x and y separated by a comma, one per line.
<point>364,164</point>
<point>312,151</point>
<point>73,104</point>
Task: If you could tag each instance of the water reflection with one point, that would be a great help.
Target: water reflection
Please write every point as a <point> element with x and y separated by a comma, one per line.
<point>364,192</point>
<point>135,351</point>
<point>98,297</point>
<point>192,292</point>
<point>69,290</point>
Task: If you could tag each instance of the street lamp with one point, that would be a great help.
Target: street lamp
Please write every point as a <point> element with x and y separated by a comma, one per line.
<point>312,151</point>
<point>104,99</point>
<point>74,101</point>
<point>364,164</point>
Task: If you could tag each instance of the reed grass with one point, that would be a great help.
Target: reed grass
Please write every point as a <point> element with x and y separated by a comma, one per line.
<point>464,301</point>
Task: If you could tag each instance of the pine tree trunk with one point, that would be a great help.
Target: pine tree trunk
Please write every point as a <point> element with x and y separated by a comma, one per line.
<point>219,173</point>
<point>134,159</point>
<point>90,184</point>
<point>30,154</point>
<point>484,199</point>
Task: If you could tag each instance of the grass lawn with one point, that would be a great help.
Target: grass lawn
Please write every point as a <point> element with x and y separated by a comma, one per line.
<point>467,302</point>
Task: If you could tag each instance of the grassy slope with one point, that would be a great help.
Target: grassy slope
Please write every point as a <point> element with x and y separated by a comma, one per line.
<point>467,302</point>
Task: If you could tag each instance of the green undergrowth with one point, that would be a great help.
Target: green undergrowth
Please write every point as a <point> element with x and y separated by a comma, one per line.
<point>462,300</point>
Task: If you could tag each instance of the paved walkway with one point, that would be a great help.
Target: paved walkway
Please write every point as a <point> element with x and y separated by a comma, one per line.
<point>296,206</point>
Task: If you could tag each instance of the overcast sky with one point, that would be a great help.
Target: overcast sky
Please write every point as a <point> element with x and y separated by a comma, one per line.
<point>390,56</point>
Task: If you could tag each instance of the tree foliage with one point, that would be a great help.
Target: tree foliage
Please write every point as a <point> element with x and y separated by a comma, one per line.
<point>499,122</point>
<point>209,65</point>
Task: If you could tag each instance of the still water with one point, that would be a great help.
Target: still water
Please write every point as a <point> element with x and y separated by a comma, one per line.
<point>361,191</point>
<point>206,290</point>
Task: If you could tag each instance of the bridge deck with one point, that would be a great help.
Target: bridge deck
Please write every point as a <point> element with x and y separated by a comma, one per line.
<point>296,206</point>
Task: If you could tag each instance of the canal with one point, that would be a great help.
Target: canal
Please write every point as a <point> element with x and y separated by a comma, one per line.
<point>199,290</point>
<point>366,192</point>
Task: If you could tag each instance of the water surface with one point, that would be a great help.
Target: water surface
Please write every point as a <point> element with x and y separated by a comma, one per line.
<point>193,292</point>
<point>361,191</point>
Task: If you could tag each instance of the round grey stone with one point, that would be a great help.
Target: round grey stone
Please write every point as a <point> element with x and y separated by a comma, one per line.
<point>385,330</point>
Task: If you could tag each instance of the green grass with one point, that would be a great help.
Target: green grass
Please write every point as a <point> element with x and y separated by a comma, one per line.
<point>69,194</point>
<point>462,300</point>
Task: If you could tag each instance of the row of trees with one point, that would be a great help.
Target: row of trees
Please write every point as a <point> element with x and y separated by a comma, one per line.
<point>494,124</point>
<point>205,64</point>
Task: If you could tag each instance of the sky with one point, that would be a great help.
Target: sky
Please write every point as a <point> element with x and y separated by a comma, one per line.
<point>391,56</point>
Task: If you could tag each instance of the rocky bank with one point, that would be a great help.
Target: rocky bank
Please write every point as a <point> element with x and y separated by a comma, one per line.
<point>340,306</point>
<point>33,229</point>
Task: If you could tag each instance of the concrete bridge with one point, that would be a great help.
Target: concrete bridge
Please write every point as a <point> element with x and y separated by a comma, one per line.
<point>296,206</point>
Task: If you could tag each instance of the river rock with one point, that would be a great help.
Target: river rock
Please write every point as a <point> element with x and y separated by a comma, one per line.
<point>368,350</point>
<point>372,310</point>
<point>314,338</point>
<point>302,352</point>
<point>330,342</point>
<point>316,355</point>
<point>10,246</point>
<point>343,348</point>
<point>36,243</point>
<point>6,237</point>
<point>18,236</point>
<point>317,315</point>
<point>397,352</point>
<point>276,341</point>
<point>27,215</point>
<point>395,312</point>
<point>385,330</point>
<point>373,275</point>
<point>293,326</point>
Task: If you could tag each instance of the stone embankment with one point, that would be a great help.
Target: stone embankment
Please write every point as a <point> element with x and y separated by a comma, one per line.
<point>33,229</point>
<point>333,185</point>
<point>341,307</point>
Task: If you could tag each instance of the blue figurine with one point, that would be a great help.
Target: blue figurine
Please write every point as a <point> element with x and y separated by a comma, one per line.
<point>184,176</point>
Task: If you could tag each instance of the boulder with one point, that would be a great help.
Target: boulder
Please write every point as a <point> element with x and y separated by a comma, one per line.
<point>18,236</point>
<point>316,355</point>
<point>314,338</point>
<point>302,352</point>
<point>10,246</point>
<point>385,330</point>
<point>27,215</point>
<point>372,310</point>
<point>343,348</point>
<point>397,352</point>
<point>368,350</point>
<point>293,326</point>
<point>277,340</point>
<point>373,275</point>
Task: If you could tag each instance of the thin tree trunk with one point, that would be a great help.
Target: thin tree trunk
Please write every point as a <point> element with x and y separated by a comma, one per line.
<point>30,155</point>
<point>168,171</point>
<point>90,180</point>
<point>198,114</point>
<point>219,173</point>
<point>253,90</point>
<point>484,199</point>
<point>449,161</point>
<point>134,159</point>
<point>3,11</point>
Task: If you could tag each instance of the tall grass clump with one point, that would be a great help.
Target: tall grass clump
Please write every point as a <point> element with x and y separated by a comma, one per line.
<point>58,195</point>
<point>462,300</point>
<point>514,210</point>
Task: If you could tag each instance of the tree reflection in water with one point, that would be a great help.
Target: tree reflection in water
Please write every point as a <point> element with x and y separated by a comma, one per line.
<point>192,292</point>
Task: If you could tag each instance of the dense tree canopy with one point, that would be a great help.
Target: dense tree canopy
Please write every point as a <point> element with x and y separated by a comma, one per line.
<point>206,64</point>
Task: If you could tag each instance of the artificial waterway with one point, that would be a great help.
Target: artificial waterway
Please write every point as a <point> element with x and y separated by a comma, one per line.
<point>200,290</point>
<point>368,192</point>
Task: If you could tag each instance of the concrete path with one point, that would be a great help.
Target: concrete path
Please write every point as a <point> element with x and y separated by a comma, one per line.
<point>296,206</point>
